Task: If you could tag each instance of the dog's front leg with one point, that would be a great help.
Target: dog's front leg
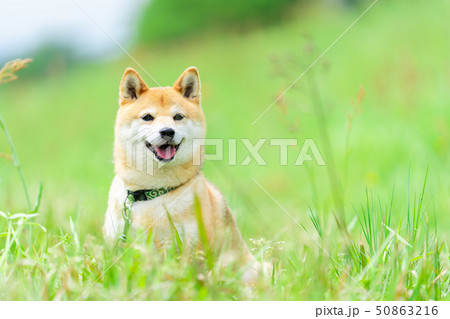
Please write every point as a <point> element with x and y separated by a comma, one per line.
<point>112,226</point>
<point>114,222</point>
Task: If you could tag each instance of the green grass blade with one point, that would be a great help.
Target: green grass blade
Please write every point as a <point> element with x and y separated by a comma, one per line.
<point>176,234</point>
<point>202,232</point>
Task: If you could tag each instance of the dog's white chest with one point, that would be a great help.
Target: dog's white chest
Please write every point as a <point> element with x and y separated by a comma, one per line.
<point>152,215</point>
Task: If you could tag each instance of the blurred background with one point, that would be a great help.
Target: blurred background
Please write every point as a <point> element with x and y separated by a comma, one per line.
<point>383,89</point>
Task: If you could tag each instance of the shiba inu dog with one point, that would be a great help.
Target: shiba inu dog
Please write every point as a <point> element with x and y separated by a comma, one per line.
<point>158,127</point>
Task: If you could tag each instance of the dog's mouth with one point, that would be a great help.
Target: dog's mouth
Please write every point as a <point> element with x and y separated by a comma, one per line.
<point>165,152</point>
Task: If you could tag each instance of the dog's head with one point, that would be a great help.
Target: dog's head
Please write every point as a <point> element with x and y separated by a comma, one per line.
<point>158,126</point>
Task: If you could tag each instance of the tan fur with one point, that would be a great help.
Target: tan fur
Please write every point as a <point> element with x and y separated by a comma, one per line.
<point>184,97</point>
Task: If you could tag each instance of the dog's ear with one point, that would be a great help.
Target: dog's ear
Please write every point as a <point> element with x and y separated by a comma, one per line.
<point>188,84</point>
<point>131,86</point>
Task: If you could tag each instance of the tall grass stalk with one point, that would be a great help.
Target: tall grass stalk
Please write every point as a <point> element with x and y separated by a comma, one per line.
<point>7,74</point>
<point>15,159</point>
<point>335,186</point>
<point>356,110</point>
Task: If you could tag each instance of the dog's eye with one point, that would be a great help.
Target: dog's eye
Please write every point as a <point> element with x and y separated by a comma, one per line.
<point>147,118</point>
<point>178,117</point>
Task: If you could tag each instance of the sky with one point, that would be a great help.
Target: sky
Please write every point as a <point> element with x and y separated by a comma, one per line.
<point>27,24</point>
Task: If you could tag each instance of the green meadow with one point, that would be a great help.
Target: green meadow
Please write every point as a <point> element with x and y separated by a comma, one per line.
<point>372,223</point>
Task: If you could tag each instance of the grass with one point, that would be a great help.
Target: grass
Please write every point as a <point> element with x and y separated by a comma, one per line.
<point>375,218</point>
<point>7,74</point>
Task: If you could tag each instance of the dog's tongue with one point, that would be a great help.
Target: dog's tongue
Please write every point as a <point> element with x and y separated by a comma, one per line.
<point>166,151</point>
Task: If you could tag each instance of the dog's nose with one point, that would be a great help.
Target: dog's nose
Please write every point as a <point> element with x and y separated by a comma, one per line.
<point>167,133</point>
